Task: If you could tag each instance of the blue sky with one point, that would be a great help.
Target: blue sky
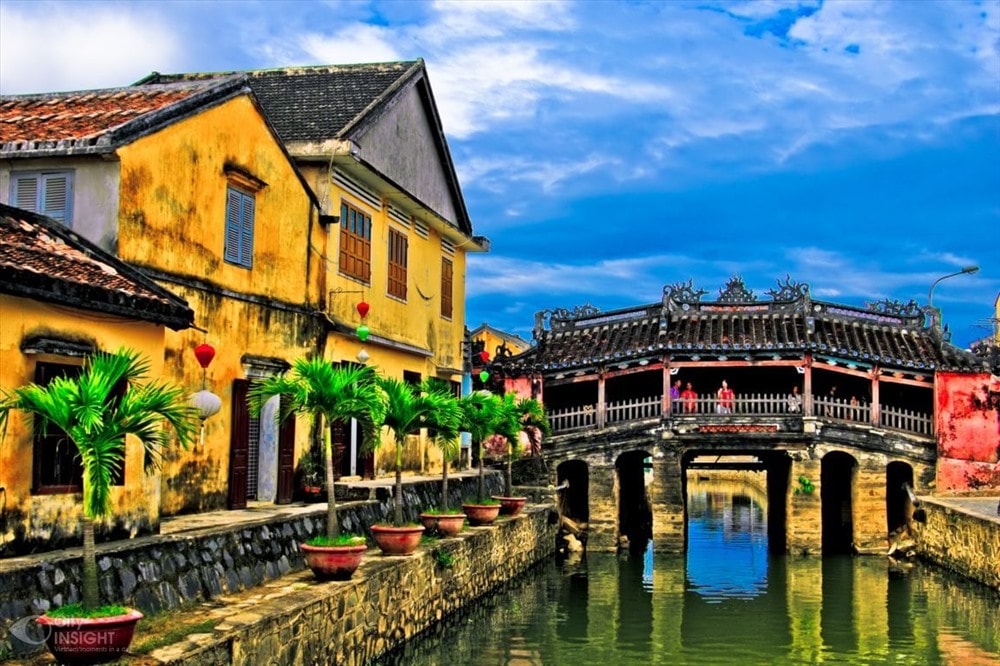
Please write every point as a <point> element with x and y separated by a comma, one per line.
<point>611,148</point>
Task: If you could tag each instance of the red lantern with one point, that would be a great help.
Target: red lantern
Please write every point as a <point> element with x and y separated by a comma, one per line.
<point>363,309</point>
<point>484,356</point>
<point>204,353</point>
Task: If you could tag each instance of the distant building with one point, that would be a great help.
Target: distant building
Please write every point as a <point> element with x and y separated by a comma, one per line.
<point>495,343</point>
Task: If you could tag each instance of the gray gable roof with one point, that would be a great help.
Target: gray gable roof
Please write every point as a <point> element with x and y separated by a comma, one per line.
<point>324,102</point>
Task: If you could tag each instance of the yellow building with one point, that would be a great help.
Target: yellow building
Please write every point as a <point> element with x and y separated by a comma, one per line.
<point>274,219</point>
<point>369,141</point>
<point>189,184</point>
<point>62,298</point>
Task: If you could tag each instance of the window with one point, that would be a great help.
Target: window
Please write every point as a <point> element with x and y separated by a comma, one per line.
<point>355,243</point>
<point>398,245</point>
<point>239,227</point>
<point>46,192</point>
<point>56,467</point>
<point>447,271</point>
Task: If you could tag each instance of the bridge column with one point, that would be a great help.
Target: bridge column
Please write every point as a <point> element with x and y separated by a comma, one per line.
<point>804,527</point>
<point>602,532</point>
<point>666,500</point>
<point>871,524</point>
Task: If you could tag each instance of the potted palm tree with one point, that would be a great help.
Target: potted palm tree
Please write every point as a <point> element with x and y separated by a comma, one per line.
<point>329,394</point>
<point>481,411</point>
<point>98,410</point>
<point>443,426</point>
<point>517,415</point>
<point>407,410</point>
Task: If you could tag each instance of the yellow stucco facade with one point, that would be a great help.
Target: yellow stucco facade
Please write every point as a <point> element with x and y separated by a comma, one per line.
<point>38,519</point>
<point>172,206</point>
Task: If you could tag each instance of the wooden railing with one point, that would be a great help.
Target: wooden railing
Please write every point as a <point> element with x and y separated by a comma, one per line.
<point>906,420</point>
<point>572,418</point>
<point>634,409</point>
<point>752,404</point>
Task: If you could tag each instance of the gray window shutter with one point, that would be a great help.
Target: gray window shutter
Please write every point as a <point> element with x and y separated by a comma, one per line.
<point>232,253</point>
<point>25,192</point>
<point>55,196</point>
<point>246,235</point>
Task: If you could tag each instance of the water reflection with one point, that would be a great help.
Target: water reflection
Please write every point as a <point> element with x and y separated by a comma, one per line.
<point>727,545</point>
<point>726,601</point>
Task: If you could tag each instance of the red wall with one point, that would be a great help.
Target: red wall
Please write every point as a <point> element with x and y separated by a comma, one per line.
<point>968,426</point>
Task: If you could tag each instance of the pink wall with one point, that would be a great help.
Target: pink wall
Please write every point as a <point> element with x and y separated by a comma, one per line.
<point>968,426</point>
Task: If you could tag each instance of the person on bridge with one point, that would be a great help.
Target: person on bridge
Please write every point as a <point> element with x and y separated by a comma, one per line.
<point>688,396</point>
<point>795,401</point>
<point>726,396</point>
<point>675,396</point>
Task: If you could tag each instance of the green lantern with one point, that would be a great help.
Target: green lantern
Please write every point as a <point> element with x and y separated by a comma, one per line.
<point>483,376</point>
<point>363,332</point>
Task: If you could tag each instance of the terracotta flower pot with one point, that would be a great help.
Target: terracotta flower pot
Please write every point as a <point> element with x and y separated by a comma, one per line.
<point>450,524</point>
<point>397,540</point>
<point>97,640</point>
<point>481,514</point>
<point>511,506</point>
<point>429,520</point>
<point>333,562</point>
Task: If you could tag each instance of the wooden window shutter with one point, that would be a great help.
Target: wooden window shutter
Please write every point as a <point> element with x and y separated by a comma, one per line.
<point>398,247</point>
<point>447,275</point>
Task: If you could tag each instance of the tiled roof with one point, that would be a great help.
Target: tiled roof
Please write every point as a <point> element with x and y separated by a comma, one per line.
<point>94,121</point>
<point>887,335</point>
<point>43,260</point>
<point>314,103</point>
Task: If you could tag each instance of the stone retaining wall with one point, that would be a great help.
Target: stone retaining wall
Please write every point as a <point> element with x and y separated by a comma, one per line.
<point>387,602</point>
<point>965,543</point>
<point>163,572</point>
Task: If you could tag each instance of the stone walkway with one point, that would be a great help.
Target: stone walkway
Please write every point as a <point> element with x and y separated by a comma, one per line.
<point>983,507</point>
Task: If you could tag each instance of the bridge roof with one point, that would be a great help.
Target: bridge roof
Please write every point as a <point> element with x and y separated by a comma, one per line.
<point>737,326</point>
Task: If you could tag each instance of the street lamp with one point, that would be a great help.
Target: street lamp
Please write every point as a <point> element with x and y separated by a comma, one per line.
<point>930,294</point>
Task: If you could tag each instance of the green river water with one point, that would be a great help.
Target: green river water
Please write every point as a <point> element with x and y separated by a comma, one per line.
<point>727,601</point>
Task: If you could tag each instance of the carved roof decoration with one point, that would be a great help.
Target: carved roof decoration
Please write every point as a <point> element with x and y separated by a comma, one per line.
<point>888,334</point>
<point>736,292</point>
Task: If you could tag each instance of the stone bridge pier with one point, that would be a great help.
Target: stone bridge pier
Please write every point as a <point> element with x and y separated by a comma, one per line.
<point>821,497</point>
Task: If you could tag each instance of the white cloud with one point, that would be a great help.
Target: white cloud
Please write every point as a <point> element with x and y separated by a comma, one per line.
<point>47,47</point>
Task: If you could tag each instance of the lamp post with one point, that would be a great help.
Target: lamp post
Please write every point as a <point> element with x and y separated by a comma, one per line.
<point>930,293</point>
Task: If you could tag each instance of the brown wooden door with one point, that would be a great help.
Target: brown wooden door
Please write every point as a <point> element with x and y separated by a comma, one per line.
<point>286,461</point>
<point>239,444</point>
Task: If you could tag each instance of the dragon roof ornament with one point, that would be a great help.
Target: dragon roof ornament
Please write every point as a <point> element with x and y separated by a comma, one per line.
<point>789,291</point>
<point>736,292</point>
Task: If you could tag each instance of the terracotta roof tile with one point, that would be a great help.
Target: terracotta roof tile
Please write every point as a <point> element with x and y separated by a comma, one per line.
<point>83,118</point>
<point>42,259</point>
